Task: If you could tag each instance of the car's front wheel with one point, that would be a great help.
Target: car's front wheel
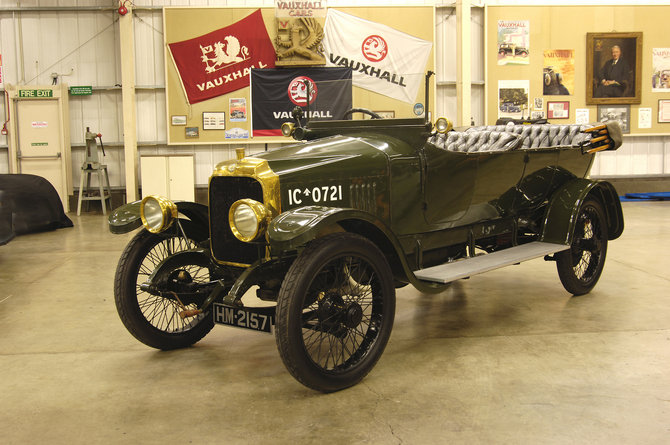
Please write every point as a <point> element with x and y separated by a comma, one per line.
<point>579,267</point>
<point>155,319</point>
<point>335,312</point>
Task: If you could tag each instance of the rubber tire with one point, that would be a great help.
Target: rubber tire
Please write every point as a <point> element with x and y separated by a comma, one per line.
<point>291,300</point>
<point>127,299</point>
<point>568,260</point>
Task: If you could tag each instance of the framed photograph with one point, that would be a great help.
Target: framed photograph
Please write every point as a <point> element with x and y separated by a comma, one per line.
<point>192,133</point>
<point>558,110</point>
<point>613,68</point>
<point>537,114</point>
<point>618,113</point>
<point>663,111</point>
<point>178,120</point>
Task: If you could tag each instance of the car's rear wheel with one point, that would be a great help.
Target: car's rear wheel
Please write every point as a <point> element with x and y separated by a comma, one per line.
<point>335,312</point>
<point>579,267</point>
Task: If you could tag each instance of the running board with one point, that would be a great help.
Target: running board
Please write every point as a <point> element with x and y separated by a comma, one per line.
<point>448,272</point>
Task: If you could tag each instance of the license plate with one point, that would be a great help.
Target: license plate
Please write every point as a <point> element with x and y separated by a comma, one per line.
<point>255,319</point>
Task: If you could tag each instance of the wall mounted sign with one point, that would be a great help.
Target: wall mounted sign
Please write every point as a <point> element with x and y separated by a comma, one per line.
<point>81,91</point>
<point>36,93</point>
<point>301,9</point>
<point>299,42</point>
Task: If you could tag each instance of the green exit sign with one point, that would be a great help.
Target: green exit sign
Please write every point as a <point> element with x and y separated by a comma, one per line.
<point>36,93</point>
<point>81,91</point>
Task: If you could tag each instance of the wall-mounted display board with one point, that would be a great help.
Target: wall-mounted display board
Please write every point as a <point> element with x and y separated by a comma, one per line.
<point>214,115</point>
<point>556,35</point>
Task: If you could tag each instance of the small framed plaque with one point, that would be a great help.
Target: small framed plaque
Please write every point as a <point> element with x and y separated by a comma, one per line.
<point>212,120</point>
<point>558,110</point>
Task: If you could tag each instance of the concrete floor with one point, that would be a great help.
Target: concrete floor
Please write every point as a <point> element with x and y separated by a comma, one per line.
<point>506,357</point>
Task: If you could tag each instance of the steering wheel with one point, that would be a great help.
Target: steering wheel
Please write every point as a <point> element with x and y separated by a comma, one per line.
<point>361,110</point>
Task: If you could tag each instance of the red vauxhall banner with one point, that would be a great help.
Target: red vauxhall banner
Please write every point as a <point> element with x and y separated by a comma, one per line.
<point>219,62</point>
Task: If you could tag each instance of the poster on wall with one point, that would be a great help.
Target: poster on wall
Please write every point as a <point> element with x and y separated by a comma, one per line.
<point>513,98</point>
<point>660,81</point>
<point>559,72</point>
<point>276,92</point>
<point>513,42</point>
<point>237,109</point>
<point>220,62</point>
<point>383,59</point>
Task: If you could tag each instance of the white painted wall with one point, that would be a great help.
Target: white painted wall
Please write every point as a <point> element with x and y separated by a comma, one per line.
<point>85,43</point>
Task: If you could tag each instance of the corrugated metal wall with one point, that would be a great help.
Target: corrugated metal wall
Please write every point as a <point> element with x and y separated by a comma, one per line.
<point>82,47</point>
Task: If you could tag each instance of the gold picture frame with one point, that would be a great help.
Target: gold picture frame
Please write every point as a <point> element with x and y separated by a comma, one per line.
<point>625,89</point>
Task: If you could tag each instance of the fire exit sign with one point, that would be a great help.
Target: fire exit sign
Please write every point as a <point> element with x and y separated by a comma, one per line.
<point>36,93</point>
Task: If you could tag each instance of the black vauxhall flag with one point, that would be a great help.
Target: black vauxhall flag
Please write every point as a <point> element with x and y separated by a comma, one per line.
<point>276,92</point>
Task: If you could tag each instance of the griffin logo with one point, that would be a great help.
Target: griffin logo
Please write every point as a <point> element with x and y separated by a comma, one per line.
<point>297,91</point>
<point>374,48</point>
<point>225,54</point>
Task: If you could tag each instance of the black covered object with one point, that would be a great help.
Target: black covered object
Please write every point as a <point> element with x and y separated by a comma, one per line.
<point>34,206</point>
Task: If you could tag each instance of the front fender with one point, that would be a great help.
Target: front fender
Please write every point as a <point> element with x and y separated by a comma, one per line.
<point>296,227</point>
<point>563,210</point>
<point>127,217</point>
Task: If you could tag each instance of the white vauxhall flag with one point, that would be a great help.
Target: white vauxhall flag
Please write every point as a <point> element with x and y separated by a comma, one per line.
<point>383,60</point>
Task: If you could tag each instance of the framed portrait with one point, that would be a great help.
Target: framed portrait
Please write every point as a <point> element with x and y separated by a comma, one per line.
<point>613,68</point>
<point>663,111</point>
<point>618,113</point>
<point>558,110</point>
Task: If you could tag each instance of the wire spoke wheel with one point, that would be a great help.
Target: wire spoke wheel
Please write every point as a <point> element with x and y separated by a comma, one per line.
<point>341,325</point>
<point>154,318</point>
<point>579,267</point>
<point>162,311</point>
<point>335,312</point>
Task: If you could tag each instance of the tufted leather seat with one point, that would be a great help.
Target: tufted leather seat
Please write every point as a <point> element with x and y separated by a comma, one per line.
<point>510,137</point>
<point>476,141</point>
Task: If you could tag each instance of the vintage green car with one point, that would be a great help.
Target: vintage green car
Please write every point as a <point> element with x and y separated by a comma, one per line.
<point>320,233</point>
